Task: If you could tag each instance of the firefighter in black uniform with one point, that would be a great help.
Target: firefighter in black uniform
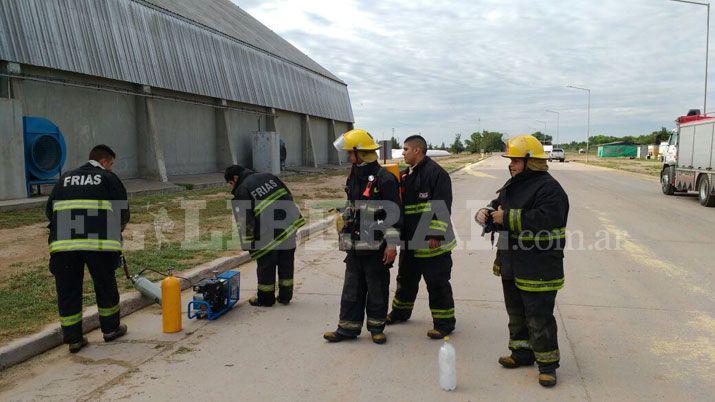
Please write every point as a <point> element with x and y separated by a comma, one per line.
<point>268,220</point>
<point>429,238</point>
<point>369,233</point>
<point>87,210</point>
<point>530,214</point>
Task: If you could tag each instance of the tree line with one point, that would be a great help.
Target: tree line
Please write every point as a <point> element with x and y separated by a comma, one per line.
<point>492,141</point>
<point>654,138</point>
<point>487,141</point>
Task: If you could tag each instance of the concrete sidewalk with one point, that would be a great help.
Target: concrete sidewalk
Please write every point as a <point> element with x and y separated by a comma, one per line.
<point>24,348</point>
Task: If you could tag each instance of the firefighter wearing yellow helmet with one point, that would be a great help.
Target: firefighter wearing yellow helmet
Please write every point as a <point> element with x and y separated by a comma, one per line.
<point>369,235</point>
<point>525,146</point>
<point>530,212</point>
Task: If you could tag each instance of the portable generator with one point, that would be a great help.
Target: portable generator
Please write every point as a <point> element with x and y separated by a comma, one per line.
<point>215,296</point>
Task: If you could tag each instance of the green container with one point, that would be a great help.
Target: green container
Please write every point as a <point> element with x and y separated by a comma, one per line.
<point>617,151</point>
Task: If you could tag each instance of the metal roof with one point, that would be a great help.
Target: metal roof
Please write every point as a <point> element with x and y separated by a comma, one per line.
<point>227,18</point>
<point>211,48</point>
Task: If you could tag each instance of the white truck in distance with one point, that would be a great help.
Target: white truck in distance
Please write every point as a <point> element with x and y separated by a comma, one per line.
<point>688,159</point>
<point>554,153</point>
<point>557,153</point>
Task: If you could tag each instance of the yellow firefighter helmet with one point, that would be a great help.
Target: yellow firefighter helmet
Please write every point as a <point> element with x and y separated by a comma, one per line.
<point>355,140</point>
<point>524,146</point>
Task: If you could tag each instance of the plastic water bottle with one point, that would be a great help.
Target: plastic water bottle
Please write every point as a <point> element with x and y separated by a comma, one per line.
<point>447,366</point>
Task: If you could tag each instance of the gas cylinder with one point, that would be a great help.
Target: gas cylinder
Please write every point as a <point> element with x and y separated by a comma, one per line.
<point>171,303</point>
<point>147,288</point>
<point>394,169</point>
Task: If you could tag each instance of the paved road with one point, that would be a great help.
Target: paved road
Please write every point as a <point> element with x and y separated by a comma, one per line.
<point>636,319</point>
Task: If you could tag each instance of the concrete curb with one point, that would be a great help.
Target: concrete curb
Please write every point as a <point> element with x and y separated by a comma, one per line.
<point>50,337</point>
<point>455,170</point>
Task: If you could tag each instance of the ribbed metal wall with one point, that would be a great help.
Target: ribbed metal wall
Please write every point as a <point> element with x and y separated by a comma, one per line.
<point>129,41</point>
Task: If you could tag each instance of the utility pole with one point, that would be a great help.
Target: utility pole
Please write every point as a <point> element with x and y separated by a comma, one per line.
<point>707,49</point>
<point>557,125</point>
<point>588,132</point>
<point>544,123</point>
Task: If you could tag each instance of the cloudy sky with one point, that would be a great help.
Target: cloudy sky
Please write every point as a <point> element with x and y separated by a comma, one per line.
<point>441,67</point>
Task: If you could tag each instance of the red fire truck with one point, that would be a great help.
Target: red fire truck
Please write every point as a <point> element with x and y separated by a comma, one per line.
<point>688,159</point>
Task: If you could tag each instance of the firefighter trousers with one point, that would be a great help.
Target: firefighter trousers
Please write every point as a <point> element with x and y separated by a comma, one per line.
<point>437,272</point>
<point>283,262</point>
<point>366,290</point>
<point>532,326</point>
<point>68,269</point>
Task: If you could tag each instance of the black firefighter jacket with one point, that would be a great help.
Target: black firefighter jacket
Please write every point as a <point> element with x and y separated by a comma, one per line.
<point>87,210</point>
<point>372,190</point>
<point>427,208</point>
<point>265,211</point>
<point>533,235</point>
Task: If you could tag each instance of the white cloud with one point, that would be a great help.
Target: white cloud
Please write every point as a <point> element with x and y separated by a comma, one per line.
<point>438,67</point>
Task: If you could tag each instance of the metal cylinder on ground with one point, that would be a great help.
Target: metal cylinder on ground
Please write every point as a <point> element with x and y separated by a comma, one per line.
<point>147,288</point>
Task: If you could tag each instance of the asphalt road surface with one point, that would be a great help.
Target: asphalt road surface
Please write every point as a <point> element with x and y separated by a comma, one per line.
<point>636,319</point>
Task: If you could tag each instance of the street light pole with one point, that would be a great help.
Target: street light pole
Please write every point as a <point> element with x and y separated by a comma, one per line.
<point>544,123</point>
<point>707,49</point>
<point>557,125</point>
<point>588,132</point>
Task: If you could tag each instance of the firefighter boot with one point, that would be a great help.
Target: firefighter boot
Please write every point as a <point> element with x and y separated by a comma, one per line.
<point>336,336</point>
<point>547,379</point>
<point>379,338</point>
<point>76,347</point>
<point>265,301</point>
<point>285,291</point>
<point>389,320</point>
<point>117,333</point>
<point>436,334</point>
<point>513,362</point>
<point>285,294</point>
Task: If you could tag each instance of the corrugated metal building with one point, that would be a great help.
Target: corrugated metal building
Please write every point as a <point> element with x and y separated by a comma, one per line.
<point>175,86</point>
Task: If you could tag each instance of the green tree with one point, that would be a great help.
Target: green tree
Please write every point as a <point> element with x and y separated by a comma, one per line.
<point>395,143</point>
<point>492,141</point>
<point>457,146</point>
<point>474,143</point>
<point>442,147</point>
<point>603,139</point>
<point>656,137</point>
<point>544,138</point>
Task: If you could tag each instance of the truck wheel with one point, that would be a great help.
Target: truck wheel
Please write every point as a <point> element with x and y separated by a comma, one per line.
<point>704,192</point>
<point>665,178</point>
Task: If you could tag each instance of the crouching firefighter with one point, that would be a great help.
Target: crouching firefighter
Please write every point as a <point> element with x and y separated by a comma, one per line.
<point>268,220</point>
<point>369,234</point>
<point>530,214</point>
<point>87,210</point>
<point>429,238</point>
